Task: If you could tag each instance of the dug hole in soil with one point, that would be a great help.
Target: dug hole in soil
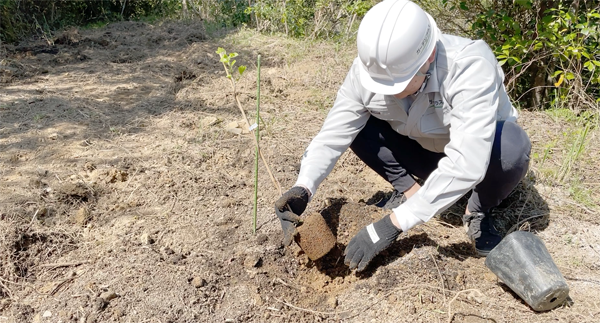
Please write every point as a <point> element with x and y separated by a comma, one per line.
<point>127,182</point>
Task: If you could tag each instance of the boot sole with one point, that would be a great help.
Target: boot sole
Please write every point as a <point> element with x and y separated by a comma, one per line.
<point>482,253</point>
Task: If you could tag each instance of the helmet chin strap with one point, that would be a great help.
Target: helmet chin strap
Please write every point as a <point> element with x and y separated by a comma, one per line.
<point>427,76</point>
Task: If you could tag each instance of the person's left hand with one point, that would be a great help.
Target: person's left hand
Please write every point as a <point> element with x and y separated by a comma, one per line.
<point>369,242</point>
<point>288,208</point>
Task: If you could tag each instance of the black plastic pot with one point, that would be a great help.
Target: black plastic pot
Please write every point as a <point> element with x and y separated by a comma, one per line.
<point>523,263</point>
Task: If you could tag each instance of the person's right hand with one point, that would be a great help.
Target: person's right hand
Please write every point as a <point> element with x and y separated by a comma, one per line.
<point>288,208</point>
<point>370,241</point>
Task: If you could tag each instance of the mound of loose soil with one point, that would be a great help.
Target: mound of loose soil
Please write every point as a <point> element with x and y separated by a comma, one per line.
<point>127,183</point>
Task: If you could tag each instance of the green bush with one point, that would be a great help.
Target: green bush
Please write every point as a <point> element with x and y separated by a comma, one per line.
<point>296,18</point>
<point>19,18</point>
<point>309,18</point>
<point>548,49</point>
<point>219,13</point>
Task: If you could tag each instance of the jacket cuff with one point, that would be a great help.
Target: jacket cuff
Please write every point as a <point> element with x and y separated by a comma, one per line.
<point>405,219</point>
<point>308,184</point>
<point>414,211</point>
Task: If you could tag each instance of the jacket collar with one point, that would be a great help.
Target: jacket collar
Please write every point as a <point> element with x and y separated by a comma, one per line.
<point>432,84</point>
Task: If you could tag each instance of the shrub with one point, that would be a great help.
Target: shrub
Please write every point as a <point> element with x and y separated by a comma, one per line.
<point>548,49</point>
<point>19,18</point>
<point>309,18</point>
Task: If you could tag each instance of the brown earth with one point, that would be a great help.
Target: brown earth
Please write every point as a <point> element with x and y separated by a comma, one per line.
<point>314,236</point>
<point>127,184</point>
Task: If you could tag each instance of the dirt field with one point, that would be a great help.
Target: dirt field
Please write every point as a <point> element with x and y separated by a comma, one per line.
<point>126,193</point>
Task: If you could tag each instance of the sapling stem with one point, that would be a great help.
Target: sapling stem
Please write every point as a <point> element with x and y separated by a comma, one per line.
<point>262,157</point>
<point>228,66</point>
<point>257,133</point>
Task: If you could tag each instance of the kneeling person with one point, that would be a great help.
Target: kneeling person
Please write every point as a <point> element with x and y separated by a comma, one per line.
<point>418,103</point>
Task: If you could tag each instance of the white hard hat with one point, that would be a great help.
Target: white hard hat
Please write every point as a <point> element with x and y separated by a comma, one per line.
<point>395,39</point>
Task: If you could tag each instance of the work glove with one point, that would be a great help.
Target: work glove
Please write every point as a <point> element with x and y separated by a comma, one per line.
<point>369,242</point>
<point>288,208</point>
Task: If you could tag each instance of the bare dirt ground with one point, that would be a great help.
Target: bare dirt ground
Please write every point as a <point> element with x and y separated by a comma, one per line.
<point>126,193</point>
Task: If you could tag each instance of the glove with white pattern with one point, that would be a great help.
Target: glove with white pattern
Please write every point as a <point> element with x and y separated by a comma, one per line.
<point>369,242</point>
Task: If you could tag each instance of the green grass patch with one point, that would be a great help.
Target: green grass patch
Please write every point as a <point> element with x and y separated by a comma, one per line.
<point>95,25</point>
<point>582,194</point>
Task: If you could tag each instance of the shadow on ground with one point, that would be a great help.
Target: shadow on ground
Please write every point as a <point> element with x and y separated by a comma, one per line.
<point>523,209</point>
<point>107,81</point>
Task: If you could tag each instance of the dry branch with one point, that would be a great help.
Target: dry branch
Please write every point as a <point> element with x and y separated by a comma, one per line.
<point>366,307</point>
<point>64,264</point>
<point>8,291</point>
<point>450,314</point>
<point>309,311</point>
<point>441,277</point>
<point>523,221</point>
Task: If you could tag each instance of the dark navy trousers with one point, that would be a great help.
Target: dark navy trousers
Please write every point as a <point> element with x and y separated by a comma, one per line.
<point>398,158</point>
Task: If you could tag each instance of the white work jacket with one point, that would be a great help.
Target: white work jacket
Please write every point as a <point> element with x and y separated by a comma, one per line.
<point>456,113</point>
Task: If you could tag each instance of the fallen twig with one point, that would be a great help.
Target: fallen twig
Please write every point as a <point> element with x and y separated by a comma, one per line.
<point>33,219</point>
<point>585,280</point>
<point>581,206</point>
<point>61,284</point>
<point>441,277</point>
<point>12,282</point>
<point>65,264</point>
<point>166,213</point>
<point>279,280</point>
<point>445,224</point>
<point>450,314</point>
<point>364,308</point>
<point>523,221</point>
<point>592,246</point>
<point>8,291</point>
<point>309,311</point>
